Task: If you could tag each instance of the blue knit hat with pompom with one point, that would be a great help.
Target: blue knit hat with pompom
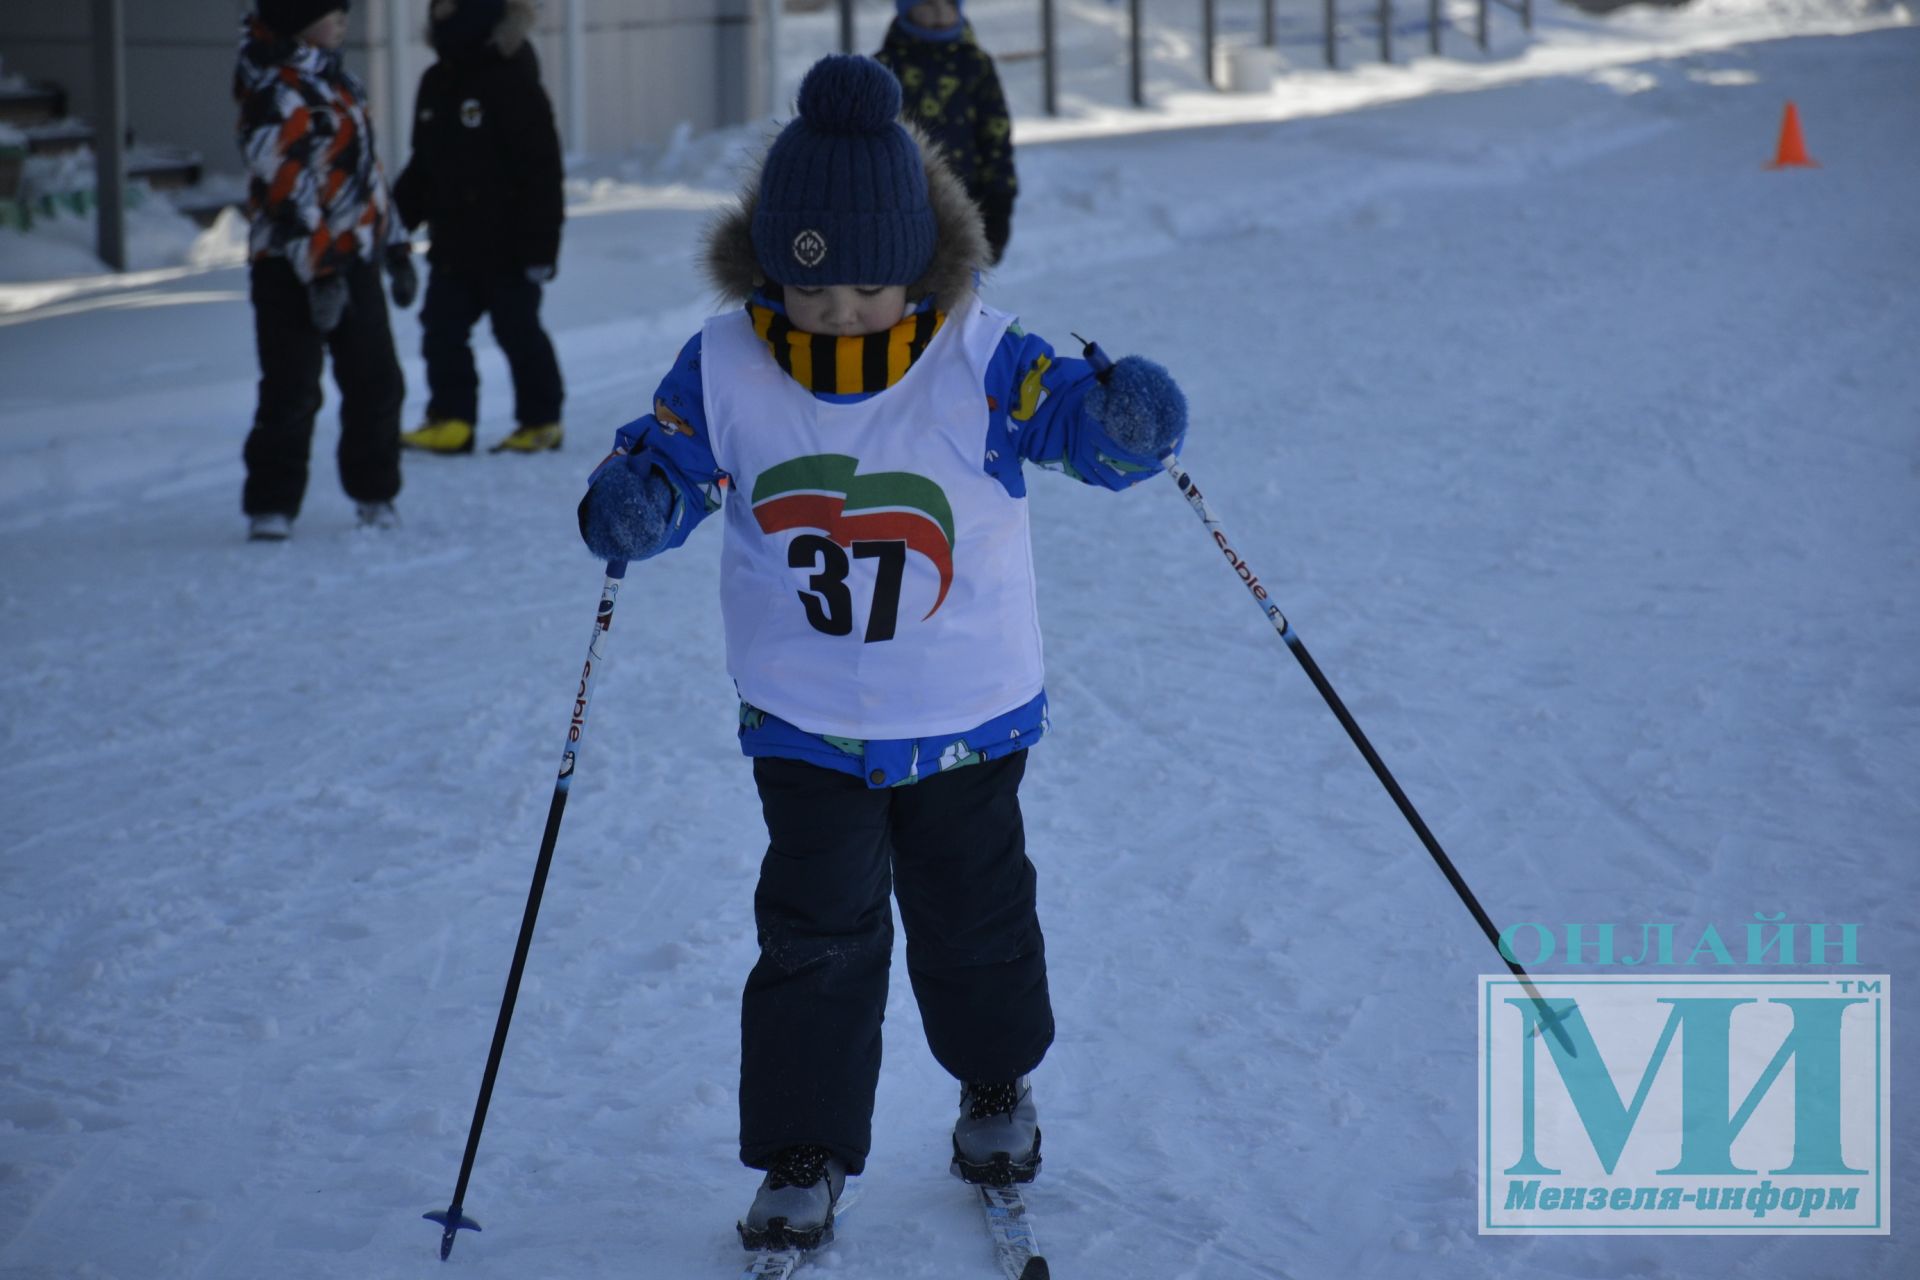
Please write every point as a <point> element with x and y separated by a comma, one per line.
<point>843,195</point>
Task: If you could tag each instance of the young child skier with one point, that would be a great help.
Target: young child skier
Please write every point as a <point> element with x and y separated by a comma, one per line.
<point>321,223</point>
<point>486,177</point>
<point>860,418</point>
<point>953,94</point>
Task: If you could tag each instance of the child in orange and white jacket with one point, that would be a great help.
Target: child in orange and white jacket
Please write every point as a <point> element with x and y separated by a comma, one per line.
<point>322,225</point>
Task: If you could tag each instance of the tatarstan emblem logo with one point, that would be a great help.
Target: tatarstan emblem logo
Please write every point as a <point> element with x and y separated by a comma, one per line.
<point>823,491</point>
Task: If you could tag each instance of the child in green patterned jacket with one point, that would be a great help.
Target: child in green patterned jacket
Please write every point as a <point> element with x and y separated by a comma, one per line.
<point>953,95</point>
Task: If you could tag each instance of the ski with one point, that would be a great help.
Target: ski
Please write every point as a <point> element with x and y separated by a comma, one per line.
<point>778,1264</point>
<point>773,1264</point>
<point>1010,1223</point>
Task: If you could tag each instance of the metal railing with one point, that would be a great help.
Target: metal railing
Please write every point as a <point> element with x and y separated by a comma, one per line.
<point>1386,26</point>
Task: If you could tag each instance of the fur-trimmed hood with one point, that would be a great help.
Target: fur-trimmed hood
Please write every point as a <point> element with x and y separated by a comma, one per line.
<point>959,250</point>
<point>508,34</point>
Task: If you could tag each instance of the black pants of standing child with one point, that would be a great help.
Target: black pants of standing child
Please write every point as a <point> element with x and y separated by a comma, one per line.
<point>953,849</point>
<point>456,299</point>
<point>292,356</point>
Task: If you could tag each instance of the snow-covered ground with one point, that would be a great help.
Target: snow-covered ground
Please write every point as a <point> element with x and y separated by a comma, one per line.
<point>1583,451</point>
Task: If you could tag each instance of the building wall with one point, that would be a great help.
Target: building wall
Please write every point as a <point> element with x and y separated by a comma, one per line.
<point>654,63</point>
<point>650,64</point>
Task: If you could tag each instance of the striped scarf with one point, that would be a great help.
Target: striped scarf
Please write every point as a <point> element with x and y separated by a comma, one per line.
<point>861,365</point>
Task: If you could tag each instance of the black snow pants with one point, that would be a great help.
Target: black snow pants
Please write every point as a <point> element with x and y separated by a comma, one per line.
<point>953,850</point>
<point>292,357</point>
<point>456,299</point>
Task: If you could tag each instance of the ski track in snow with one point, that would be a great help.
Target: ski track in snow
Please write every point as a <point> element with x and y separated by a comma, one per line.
<point>1580,450</point>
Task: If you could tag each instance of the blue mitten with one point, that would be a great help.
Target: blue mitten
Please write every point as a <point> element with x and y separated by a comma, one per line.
<point>1140,407</point>
<point>626,512</point>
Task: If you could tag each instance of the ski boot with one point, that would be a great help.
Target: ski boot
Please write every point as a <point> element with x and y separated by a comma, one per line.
<point>527,439</point>
<point>794,1207</point>
<point>996,1141</point>
<point>270,526</point>
<point>440,435</point>
<point>377,515</point>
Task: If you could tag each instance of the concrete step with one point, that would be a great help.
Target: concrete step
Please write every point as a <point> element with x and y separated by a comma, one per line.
<point>32,104</point>
<point>164,168</point>
<point>56,137</point>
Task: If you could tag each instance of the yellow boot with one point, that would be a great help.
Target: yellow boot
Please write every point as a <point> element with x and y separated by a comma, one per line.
<point>531,440</point>
<point>440,435</point>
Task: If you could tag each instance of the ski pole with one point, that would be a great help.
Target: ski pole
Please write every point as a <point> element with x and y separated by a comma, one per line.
<point>1267,607</point>
<point>1271,611</point>
<point>452,1219</point>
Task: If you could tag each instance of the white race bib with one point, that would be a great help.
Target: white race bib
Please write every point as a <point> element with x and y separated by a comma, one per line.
<point>876,582</point>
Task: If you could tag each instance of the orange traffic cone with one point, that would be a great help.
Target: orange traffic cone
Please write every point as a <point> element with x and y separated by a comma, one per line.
<point>1792,152</point>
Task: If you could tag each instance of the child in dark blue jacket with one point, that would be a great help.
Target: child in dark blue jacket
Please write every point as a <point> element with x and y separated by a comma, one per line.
<point>860,422</point>
<point>486,179</point>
